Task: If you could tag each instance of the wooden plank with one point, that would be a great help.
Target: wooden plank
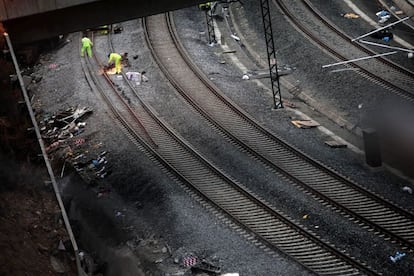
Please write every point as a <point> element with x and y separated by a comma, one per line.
<point>305,123</point>
<point>3,14</point>
<point>335,144</point>
<point>20,8</point>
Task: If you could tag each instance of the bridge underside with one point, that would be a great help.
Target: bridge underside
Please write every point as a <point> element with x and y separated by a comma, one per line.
<point>80,17</point>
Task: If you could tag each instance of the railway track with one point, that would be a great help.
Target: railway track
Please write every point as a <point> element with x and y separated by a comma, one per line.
<point>357,204</point>
<point>382,71</point>
<point>360,46</point>
<point>176,157</point>
<point>409,25</point>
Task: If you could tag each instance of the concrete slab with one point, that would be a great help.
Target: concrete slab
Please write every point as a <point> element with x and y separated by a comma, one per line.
<point>68,3</point>
<point>20,8</point>
<point>3,14</point>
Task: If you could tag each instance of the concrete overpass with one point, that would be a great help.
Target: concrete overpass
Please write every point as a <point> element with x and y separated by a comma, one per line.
<point>31,20</point>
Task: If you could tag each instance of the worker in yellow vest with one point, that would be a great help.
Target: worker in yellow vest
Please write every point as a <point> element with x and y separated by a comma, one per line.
<point>205,7</point>
<point>86,46</point>
<point>116,59</point>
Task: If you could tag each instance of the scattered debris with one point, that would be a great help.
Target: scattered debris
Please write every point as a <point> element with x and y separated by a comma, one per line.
<point>383,16</point>
<point>63,169</point>
<point>58,131</point>
<point>118,29</point>
<point>205,266</point>
<point>305,216</point>
<point>79,141</point>
<point>189,261</point>
<point>385,35</point>
<point>53,66</point>
<point>230,274</point>
<point>289,104</point>
<point>317,226</point>
<point>137,77</point>
<point>103,191</point>
<point>245,77</point>
<point>335,144</point>
<point>344,69</point>
<point>235,37</point>
<point>57,265</point>
<point>99,167</point>
<point>398,256</point>
<point>61,246</point>
<point>229,52</point>
<point>350,15</point>
<point>135,57</point>
<point>399,12</point>
<point>305,123</point>
<point>408,190</point>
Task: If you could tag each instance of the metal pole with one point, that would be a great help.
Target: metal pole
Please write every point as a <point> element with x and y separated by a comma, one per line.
<point>271,54</point>
<point>210,27</point>
<point>386,46</point>
<point>377,30</point>
<point>358,59</point>
<point>46,159</point>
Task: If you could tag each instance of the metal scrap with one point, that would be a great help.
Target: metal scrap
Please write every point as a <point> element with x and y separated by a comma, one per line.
<point>204,266</point>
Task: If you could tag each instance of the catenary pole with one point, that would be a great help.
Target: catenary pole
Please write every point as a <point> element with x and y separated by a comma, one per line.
<point>271,54</point>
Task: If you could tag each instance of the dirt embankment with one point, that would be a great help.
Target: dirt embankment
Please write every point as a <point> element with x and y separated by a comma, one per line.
<point>33,240</point>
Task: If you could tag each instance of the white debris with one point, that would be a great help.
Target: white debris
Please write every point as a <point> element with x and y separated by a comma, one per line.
<point>137,77</point>
<point>235,37</point>
<point>245,77</point>
<point>408,190</point>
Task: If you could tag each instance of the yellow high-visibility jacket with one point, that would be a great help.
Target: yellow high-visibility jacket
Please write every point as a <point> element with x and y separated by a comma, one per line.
<point>86,42</point>
<point>114,57</point>
<point>205,6</point>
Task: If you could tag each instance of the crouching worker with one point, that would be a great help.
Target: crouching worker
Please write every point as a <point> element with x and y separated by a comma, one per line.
<point>205,6</point>
<point>115,58</point>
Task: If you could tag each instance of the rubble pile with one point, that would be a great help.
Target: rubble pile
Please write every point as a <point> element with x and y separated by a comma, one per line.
<point>67,144</point>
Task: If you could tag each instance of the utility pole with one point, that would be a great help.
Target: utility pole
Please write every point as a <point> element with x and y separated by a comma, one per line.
<point>271,54</point>
<point>210,22</point>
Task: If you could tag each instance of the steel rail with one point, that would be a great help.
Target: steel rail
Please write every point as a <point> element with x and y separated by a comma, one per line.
<point>312,176</point>
<point>397,90</point>
<point>267,225</point>
<point>360,46</point>
<point>388,8</point>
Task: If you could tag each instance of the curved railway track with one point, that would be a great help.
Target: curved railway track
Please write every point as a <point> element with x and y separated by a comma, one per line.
<point>183,163</point>
<point>384,4</point>
<point>356,203</point>
<point>360,46</point>
<point>382,71</point>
